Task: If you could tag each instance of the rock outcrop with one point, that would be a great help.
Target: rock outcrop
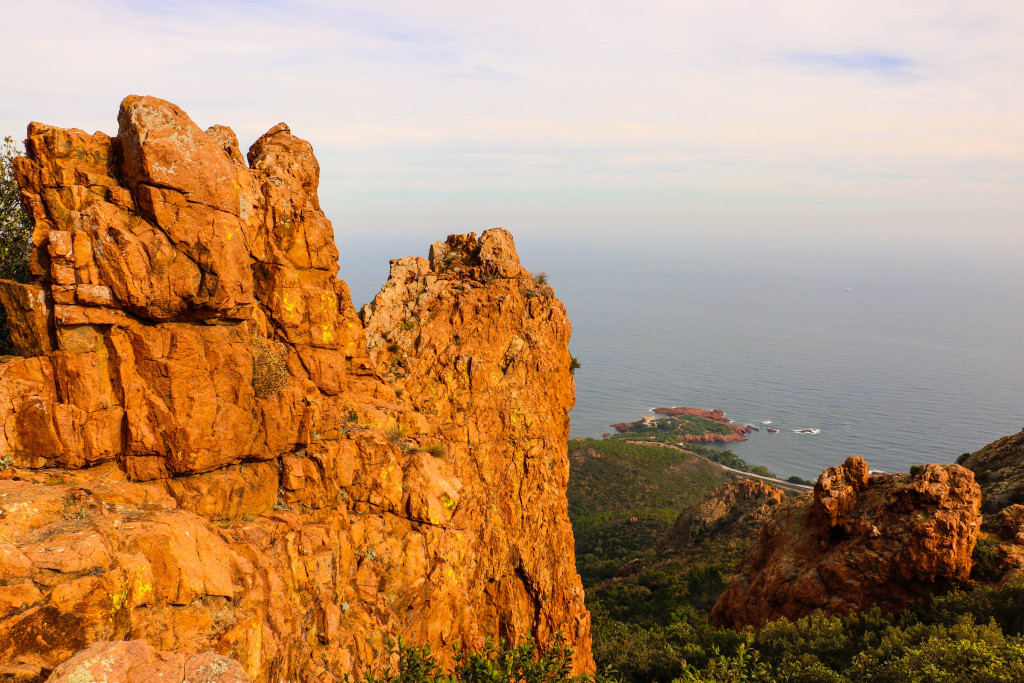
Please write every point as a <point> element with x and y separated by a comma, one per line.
<point>736,508</point>
<point>999,469</point>
<point>716,415</point>
<point>736,433</point>
<point>207,448</point>
<point>861,539</point>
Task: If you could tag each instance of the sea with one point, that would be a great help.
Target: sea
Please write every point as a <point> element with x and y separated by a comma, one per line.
<point>901,352</point>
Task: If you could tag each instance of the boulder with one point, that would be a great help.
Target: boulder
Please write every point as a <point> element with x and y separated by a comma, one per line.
<point>859,540</point>
<point>136,661</point>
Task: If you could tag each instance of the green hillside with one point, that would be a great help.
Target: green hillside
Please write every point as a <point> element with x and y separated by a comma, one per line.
<point>650,610</point>
<point>612,475</point>
<point>624,496</point>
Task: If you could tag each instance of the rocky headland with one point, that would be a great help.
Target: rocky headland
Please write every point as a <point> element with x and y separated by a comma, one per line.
<point>205,447</point>
<point>710,426</point>
<point>716,415</point>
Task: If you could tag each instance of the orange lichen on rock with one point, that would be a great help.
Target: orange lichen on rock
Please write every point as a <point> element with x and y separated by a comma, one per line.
<point>136,661</point>
<point>211,450</point>
<point>861,539</point>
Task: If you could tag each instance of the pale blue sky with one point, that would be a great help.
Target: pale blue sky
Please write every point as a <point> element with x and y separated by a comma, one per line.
<point>578,121</point>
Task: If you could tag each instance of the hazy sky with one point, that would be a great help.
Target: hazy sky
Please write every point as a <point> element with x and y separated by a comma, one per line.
<point>589,120</point>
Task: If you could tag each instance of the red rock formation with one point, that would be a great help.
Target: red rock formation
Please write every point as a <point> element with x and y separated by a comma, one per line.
<point>739,433</point>
<point>716,415</point>
<point>213,451</point>
<point>859,540</point>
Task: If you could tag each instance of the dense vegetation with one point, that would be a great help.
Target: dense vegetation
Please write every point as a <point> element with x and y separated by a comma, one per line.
<point>15,233</point>
<point>651,622</point>
<point>962,636</point>
<point>730,459</point>
<point>501,663</point>
<point>15,226</point>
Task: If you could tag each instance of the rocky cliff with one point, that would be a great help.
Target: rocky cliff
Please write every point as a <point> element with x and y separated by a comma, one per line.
<point>860,540</point>
<point>999,469</point>
<point>206,447</point>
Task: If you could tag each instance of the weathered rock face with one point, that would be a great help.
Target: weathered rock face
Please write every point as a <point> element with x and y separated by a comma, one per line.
<point>734,508</point>
<point>211,449</point>
<point>135,661</point>
<point>861,539</point>
<point>999,469</point>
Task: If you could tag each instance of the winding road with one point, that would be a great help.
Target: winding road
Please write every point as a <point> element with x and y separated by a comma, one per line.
<point>780,483</point>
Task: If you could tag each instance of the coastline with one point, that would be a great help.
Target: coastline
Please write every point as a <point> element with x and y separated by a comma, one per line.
<point>679,426</point>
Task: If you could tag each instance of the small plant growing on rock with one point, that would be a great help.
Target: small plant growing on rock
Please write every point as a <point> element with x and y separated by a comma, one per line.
<point>396,435</point>
<point>540,279</point>
<point>916,470</point>
<point>6,461</point>
<point>435,449</point>
<point>269,369</point>
<point>574,365</point>
<point>526,662</point>
<point>349,422</point>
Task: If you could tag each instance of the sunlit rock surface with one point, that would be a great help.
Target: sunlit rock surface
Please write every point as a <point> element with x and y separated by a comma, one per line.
<point>208,448</point>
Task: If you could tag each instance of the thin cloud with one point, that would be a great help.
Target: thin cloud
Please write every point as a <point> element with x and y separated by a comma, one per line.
<point>716,106</point>
<point>858,61</point>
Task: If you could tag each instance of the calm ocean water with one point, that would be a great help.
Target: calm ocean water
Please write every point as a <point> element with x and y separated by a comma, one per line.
<point>902,357</point>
